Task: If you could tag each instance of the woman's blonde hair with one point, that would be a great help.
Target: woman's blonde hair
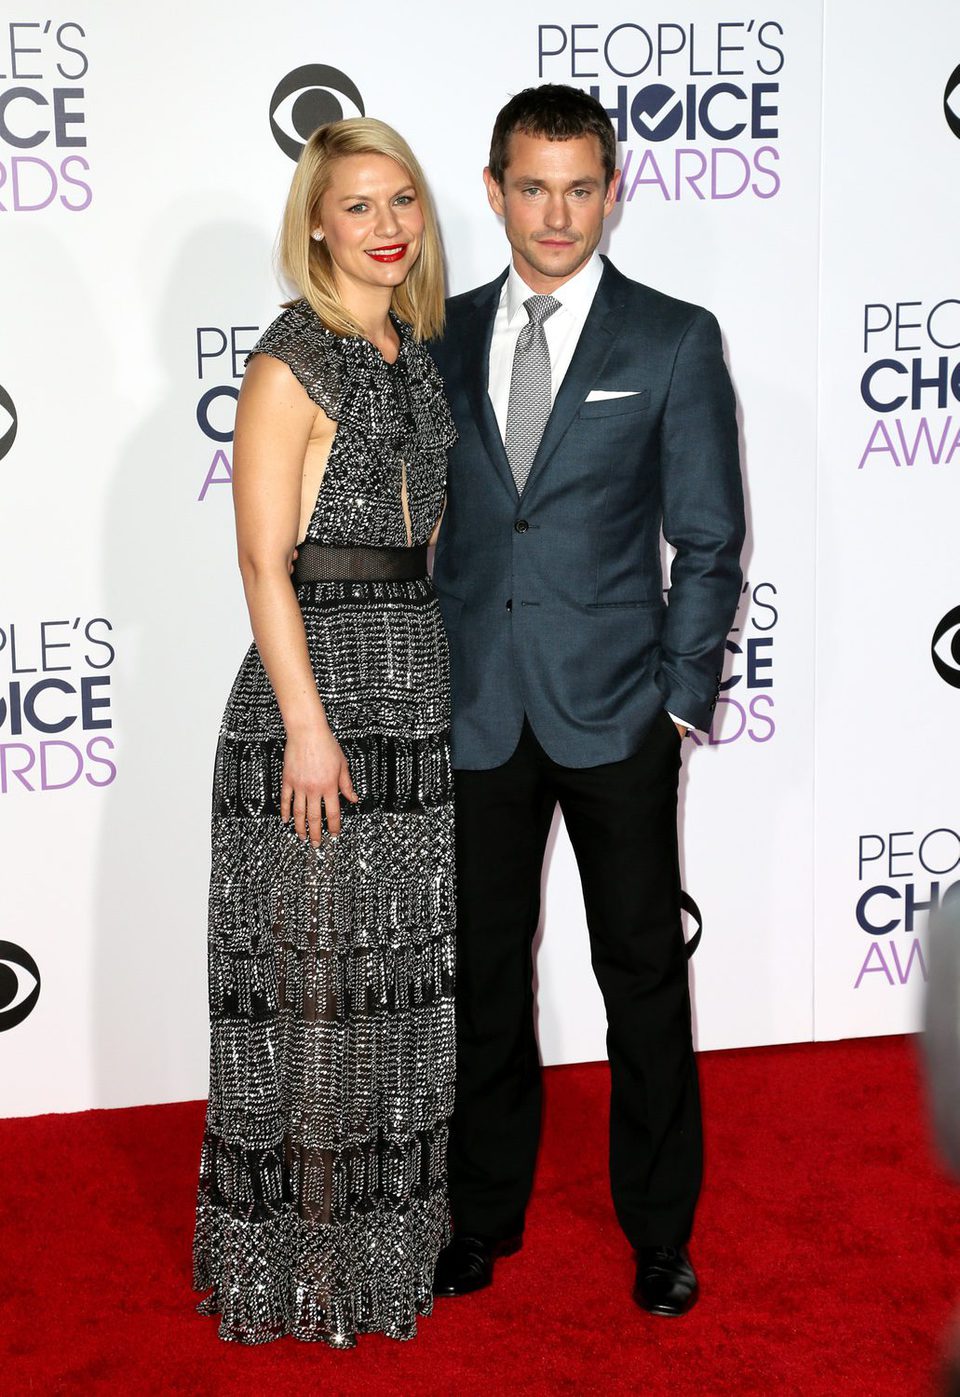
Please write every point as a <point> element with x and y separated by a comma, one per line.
<point>307,264</point>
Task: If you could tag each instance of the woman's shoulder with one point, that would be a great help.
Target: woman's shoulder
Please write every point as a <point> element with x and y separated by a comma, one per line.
<point>298,323</point>
<point>316,356</point>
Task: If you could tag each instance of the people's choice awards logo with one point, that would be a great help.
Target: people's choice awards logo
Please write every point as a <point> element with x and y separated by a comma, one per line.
<point>43,95</point>
<point>695,104</point>
<point>8,422</point>
<point>911,382</point>
<point>945,648</point>
<point>19,985</point>
<point>903,876</point>
<point>745,702</point>
<point>307,98</point>
<point>56,712</point>
<point>951,102</point>
<point>220,353</point>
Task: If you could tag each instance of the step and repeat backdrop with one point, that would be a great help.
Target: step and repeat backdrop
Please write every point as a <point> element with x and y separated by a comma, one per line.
<point>794,167</point>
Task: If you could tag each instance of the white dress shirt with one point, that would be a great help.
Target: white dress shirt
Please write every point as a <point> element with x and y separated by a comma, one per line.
<point>562,329</point>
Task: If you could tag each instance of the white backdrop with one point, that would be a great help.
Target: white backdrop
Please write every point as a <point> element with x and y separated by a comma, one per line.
<point>140,190</point>
<point>889,491</point>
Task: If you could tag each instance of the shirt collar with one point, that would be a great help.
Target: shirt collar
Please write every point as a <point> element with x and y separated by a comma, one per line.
<point>575,295</point>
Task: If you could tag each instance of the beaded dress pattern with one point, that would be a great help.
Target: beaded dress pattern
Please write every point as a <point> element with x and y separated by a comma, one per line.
<point>322,1198</point>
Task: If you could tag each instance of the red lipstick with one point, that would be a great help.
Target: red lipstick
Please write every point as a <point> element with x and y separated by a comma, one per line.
<point>393,253</point>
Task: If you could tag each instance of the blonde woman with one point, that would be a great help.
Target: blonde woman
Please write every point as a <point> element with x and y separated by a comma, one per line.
<point>322,1199</point>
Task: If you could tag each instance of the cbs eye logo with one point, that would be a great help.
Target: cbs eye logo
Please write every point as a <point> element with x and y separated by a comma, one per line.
<point>945,648</point>
<point>688,905</point>
<point>307,98</point>
<point>8,422</point>
<point>19,985</point>
<point>951,102</point>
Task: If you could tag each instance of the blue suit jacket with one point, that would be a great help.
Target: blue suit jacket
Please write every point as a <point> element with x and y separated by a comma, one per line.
<point>553,602</point>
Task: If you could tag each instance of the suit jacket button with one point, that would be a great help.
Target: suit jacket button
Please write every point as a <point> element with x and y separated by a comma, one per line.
<point>521,526</point>
<point>510,604</point>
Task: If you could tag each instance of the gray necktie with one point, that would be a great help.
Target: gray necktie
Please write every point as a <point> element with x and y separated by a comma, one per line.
<point>530,389</point>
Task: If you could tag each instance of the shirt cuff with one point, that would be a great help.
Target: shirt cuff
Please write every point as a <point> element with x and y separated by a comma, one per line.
<point>682,721</point>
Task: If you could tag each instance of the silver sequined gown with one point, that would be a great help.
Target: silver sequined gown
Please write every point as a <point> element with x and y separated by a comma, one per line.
<point>322,1198</point>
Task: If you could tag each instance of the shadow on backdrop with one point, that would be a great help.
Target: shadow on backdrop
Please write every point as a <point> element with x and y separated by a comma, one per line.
<point>171,586</point>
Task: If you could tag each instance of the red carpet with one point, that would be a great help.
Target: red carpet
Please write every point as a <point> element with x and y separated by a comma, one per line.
<point>826,1244</point>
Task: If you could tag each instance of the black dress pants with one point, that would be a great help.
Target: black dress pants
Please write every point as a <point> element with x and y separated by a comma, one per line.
<point>621,819</point>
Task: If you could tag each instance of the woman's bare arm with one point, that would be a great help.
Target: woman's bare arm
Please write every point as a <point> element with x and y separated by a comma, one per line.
<point>274,421</point>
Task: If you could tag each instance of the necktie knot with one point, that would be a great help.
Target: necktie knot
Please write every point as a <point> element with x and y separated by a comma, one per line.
<point>540,308</point>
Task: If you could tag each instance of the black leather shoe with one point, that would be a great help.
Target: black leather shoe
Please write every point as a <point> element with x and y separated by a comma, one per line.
<point>666,1282</point>
<point>466,1264</point>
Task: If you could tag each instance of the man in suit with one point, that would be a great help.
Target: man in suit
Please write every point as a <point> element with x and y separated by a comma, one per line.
<point>593,412</point>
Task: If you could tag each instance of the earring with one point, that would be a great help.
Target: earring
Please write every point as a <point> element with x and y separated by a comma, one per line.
<point>317,235</point>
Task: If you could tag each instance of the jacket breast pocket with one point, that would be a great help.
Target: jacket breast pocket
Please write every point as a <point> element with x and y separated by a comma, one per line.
<point>616,407</point>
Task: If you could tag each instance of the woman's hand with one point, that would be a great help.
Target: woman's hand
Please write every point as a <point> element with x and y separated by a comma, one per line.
<point>315,775</point>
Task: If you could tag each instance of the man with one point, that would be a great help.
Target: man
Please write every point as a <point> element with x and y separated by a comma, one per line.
<point>592,411</point>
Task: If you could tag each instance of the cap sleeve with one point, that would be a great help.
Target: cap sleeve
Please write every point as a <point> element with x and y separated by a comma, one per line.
<point>320,360</point>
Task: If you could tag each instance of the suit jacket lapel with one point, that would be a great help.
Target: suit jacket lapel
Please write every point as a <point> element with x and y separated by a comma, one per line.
<point>476,372</point>
<point>593,349</point>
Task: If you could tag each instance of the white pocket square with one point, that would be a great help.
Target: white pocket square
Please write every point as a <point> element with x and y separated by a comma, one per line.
<point>599,395</point>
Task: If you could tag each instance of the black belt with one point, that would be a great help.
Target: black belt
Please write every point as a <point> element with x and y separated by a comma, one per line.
<point>318,562</point>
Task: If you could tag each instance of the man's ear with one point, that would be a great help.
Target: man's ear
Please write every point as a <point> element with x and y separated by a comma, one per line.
<point>610,198</point>
<point>494,191</point>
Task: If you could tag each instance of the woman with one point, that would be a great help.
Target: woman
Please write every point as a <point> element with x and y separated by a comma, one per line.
<point>322,1199</point>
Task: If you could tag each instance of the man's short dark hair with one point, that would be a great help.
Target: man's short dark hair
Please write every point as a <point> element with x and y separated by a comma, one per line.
<point>558,113</point>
